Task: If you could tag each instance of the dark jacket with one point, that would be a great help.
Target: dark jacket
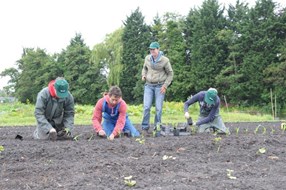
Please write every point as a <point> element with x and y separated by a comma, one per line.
<point>209,112</point>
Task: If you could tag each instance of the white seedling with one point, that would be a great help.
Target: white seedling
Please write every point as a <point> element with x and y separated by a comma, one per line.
<point>229,174</point>
<point>261,150</point>
<point>129,182</point>
<point>165,157</point>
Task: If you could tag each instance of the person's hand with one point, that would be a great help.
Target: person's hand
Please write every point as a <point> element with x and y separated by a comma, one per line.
<point>52,130</point>
<point>143,78</point>
<point>163,90</point>
<point>187,115</point>
<point>64,133</point>
<point>111,137</point>
<point>101,133</point>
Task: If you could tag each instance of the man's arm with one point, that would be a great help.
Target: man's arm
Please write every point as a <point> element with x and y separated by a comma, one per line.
<point>39,113</point>
<point>68,118</point>
<point>210,117</point>
<point>121,119</point>
<point>170,74</point>
<point>144,70</point>
<point>190,101</point>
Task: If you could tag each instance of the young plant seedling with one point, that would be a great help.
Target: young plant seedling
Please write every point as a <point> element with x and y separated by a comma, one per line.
<point>236,130</point>
<point>90,138</point>
<point>2,149</point>
<point>193,129</point>
<point>140,140</point>
<point>272,131</point>
<point>157,130</point>
<point>217,140</point>
<point>264,130</point>
<point>229,174</point>
<point>245,130</point>
<point>261,150</point>
<point>129,182</point>
<point>76,137</point>
<point>283,127</point>
<point>256,129</point>
<point>165,157</point>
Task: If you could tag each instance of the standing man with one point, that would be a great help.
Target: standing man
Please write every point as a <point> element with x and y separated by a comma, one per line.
<point>54,111</point>
<point>209,111</point>
<point>158,75</point>
<point>113,109</point>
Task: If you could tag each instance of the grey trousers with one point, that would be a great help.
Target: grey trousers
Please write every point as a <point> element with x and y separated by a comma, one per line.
<point>217,123</point>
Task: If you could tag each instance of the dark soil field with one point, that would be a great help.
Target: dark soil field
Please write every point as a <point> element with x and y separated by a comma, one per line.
<point>245,159</point>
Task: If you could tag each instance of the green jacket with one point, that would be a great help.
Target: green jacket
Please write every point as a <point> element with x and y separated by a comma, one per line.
<point>51,111</point>
<point>161,72</point>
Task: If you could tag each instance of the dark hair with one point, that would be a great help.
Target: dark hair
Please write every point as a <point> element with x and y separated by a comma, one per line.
<point>115,91</point>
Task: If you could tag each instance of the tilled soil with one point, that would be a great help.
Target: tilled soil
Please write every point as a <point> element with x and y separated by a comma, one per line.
<point>198,161</point>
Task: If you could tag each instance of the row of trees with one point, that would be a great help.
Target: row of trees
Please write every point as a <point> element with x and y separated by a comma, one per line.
<point>240,50</point>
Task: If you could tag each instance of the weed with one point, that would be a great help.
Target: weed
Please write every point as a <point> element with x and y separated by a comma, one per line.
<point>245,130</point>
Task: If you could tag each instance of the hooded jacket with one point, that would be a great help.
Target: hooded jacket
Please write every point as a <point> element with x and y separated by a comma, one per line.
<point>104,110</point>
<point>158,71</point>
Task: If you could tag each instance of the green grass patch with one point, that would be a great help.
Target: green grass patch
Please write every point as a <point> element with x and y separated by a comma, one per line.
<point>18,114</point>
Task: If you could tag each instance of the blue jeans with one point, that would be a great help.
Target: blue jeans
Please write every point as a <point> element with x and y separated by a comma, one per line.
<point>149,92</point>
<point>108,127</point>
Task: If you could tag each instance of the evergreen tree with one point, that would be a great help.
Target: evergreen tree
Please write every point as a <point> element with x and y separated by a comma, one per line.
<point>33,74</point>
<point>136,39</point>
<point>208,51</point>
<point>75,61</point>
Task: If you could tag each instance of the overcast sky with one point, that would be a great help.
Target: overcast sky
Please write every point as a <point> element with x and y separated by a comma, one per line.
<point>51,24</point>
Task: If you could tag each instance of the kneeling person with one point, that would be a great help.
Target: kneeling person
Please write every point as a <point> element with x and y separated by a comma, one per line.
<point>112,108</point>
<point>54,111</point>
<point>209,111</point>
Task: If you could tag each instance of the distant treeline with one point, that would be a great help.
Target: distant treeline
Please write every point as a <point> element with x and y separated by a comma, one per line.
<point>239,50</point>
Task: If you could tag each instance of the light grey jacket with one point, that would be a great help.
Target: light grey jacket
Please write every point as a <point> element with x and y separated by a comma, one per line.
<point>55,111</point>
<point>160,72</point>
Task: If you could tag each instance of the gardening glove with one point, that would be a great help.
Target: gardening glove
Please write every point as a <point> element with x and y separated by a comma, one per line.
<point>64,133</point>
<point>101,133</point>
<point>187,115</point>
<point>111,137</point>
